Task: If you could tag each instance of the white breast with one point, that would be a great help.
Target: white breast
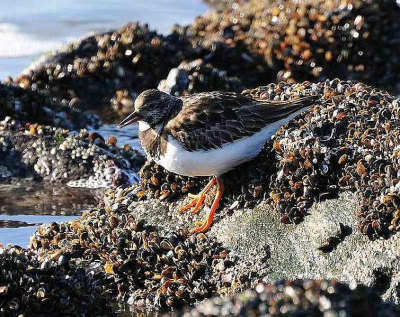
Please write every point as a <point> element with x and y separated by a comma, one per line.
<point>217,161</point>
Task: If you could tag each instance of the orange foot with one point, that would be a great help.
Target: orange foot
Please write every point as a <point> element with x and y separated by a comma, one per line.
<point>199,200</point>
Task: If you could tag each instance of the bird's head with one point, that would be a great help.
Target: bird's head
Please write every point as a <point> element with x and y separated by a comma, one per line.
<point>152,107</point>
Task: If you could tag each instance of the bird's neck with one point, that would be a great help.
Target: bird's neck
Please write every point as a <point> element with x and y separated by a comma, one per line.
<point>154,139</point>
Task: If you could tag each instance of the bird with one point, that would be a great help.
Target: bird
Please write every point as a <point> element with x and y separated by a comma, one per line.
<point>208,134</point>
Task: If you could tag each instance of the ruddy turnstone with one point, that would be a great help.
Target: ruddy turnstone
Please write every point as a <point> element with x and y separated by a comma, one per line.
<point>208,134</point>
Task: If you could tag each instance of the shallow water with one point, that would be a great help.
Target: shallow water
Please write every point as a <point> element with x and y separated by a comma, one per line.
<point>23,208</point>
<point>20,235</point>
<point>44,200</point>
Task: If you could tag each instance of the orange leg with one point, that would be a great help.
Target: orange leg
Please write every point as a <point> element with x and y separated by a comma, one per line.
<point>199,198</point>
<point>207,223</point>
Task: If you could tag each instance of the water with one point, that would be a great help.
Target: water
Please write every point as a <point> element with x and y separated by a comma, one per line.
<point>127,135</point>
<point>20,233</point>
<point>23,208</point>
<point>31,27</point>
<point>45,200</point>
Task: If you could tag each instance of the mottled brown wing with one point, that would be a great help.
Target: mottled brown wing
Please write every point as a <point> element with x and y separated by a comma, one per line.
<point>210,120</point>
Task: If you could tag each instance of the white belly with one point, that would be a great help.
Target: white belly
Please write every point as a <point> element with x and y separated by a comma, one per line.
<point>217,161</point>
<point>211,162</point>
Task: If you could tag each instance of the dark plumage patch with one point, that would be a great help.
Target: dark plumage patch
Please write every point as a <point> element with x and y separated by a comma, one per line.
<point>210,120</point>
<point>153,143</point>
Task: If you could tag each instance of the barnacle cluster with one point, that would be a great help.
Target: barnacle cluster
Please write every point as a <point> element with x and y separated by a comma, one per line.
<point>54,155</point>
<point>310,40</point>
<point>135,263</point>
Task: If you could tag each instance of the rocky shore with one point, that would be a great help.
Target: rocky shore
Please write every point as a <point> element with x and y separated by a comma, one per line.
<point>30,287</point>
<point>45,153</point>
<point>279,219</point>
<point>30,106</point>
<point>317,210</point>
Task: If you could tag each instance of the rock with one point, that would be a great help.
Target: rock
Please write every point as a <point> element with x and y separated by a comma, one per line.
<point>53,155</point>
<point>244,44</point>
<point>293,249</point>
<point>298,298</point>
<point>289,252</point>
<point>308,40</point>
<point>257,246</point>
<point>104,72</point>
<point>27,105</point>
<point>137,265</point>
<point>34,288</point>
<point>197,76</point>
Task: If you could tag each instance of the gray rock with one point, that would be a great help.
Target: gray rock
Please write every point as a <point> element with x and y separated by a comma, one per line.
<point>279,251</point>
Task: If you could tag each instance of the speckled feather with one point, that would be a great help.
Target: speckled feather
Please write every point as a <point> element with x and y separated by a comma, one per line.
<point>210,120</point>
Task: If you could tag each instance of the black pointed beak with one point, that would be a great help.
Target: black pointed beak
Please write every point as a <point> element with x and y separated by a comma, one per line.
<point>132,118</point>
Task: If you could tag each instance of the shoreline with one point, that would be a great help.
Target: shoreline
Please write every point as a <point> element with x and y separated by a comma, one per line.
<point>320,202</point>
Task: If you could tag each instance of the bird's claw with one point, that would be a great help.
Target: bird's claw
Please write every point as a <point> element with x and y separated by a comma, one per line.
<point>197,201</point>
<point>200,227</point>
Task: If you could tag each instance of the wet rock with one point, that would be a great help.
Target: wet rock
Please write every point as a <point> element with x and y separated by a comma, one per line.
<point>267,249</point>
<point>294,248</point>
<point>31,287</point>
<point>103,73</point>
<point>26,105</point>
<point>255,245</point>
<point>251,41</point>
<point>55,155</point>
<point>137,265</point>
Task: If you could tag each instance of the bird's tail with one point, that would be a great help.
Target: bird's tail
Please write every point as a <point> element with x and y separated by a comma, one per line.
<point>272,111</point>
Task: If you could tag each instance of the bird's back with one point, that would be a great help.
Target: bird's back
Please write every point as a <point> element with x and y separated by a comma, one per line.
<point>210,120</point>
